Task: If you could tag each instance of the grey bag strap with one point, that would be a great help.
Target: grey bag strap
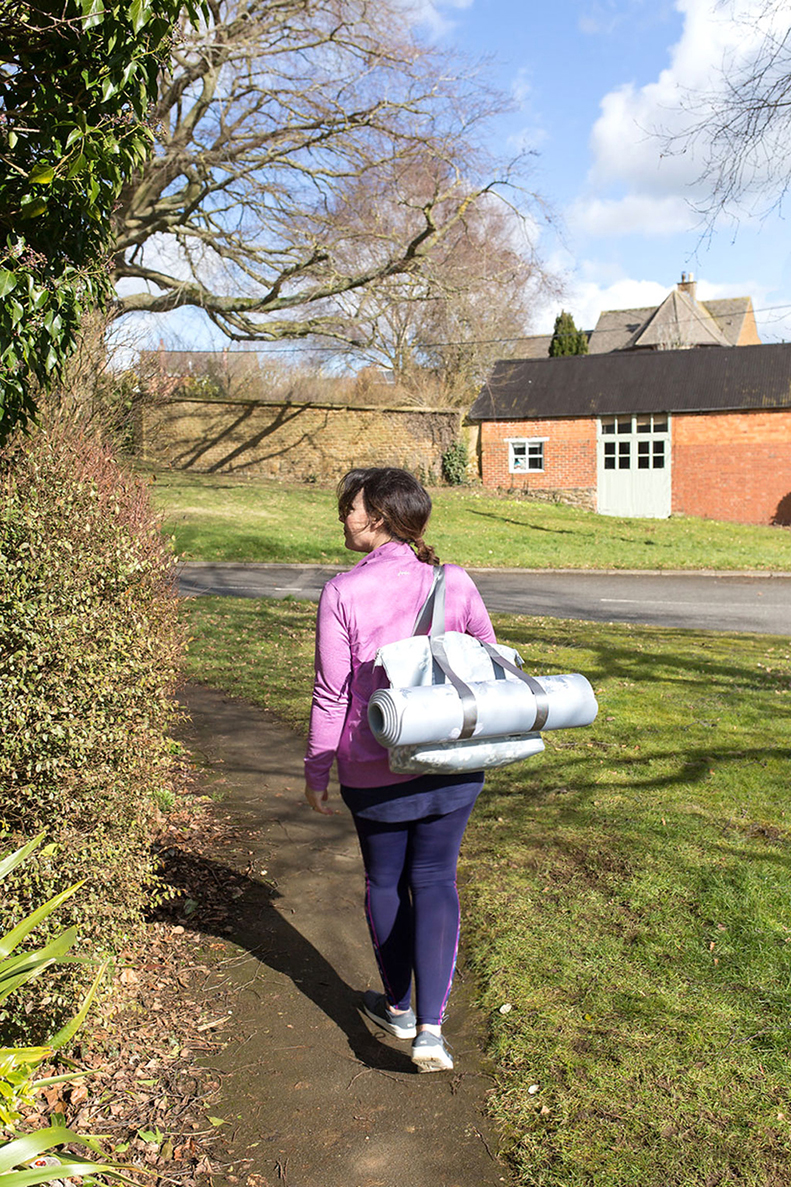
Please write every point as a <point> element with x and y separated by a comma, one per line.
<point>469,705</point>
<point>542,700</point>
<point>431,615</point>
<point>431,620</point>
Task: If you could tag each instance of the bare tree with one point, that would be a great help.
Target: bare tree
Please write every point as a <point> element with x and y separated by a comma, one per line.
<point>286,128</point>
<point>744,134</point>
<point>439,330</point>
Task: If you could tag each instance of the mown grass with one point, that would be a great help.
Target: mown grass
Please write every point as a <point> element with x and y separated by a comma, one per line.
<point>626,897</point>
<point>220,518</point>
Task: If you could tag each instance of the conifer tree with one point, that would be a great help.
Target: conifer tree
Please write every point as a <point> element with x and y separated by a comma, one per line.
<point>566,338</point>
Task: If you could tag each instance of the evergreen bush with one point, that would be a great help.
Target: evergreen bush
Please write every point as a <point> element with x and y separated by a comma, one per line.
<point>89,650</point>
<point>566,338</point>
<point>455,460</point>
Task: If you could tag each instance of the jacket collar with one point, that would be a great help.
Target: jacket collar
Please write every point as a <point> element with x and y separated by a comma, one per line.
<point>390,548</point>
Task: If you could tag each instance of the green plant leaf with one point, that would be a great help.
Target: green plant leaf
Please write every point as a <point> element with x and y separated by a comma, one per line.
<point>68,1169</point>
<point>139,14</point>
<point>33,208</point>
<point>66,1078</point>
<point>18,970</point>
<point>26,1148</point>
<point>17,934</point>
<point>67,1032</point>
<point>14,859</point>
<point>8,282</point>
<point>16,1056</point>
<point>41,174</point>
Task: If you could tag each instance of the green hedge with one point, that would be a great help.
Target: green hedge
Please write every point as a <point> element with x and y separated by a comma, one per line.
<point>89,651</point>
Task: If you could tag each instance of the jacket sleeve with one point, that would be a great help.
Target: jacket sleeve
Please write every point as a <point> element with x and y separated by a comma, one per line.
<point>331,689</point>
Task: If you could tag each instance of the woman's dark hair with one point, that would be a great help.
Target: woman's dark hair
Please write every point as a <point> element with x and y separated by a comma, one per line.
<point>397,498</point>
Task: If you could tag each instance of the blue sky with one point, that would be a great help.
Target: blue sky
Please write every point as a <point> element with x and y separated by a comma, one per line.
<point>593,80</point>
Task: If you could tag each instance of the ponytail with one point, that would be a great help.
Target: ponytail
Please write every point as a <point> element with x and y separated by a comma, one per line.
<point>425,552</point>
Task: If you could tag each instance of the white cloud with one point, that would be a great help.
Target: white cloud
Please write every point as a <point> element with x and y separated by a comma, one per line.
<point>532,133</point>
<point>585,299</point>
<point>594,287</point>
<point>432,14</point>
<point>635,214</point>
<point>632,161</point>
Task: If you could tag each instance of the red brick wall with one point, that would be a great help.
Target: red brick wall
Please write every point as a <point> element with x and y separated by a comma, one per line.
<point>734,466</point>
<point>569,454</point>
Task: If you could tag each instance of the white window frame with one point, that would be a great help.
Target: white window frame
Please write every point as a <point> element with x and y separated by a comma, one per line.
<point>527,442</point>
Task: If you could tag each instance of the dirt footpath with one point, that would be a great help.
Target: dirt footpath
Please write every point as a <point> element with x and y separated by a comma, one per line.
<point>316,1096</point>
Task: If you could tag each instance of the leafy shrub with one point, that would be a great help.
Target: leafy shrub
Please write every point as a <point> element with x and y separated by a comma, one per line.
<point>89,646</point>
<point>455,460</point>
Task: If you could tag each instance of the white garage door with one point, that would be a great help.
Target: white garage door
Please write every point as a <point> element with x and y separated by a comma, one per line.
<point>634,466</point>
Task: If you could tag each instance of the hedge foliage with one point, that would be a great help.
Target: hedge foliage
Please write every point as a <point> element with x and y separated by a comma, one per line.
<point>455,461</point>
<point>77,81</point>
<point>89,651</point>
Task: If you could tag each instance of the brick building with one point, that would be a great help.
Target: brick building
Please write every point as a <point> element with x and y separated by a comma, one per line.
<point>704,432</point>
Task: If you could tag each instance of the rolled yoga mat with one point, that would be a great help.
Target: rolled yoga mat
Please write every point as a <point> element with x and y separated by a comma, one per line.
<point>433,713</point>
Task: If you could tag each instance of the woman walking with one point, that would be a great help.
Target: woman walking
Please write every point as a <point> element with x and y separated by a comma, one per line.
<point>409,827</point>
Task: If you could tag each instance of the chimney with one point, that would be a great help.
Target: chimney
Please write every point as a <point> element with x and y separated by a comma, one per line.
<point>687,284</point>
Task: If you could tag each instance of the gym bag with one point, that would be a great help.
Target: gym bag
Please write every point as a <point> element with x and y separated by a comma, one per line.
<point>458,704</point>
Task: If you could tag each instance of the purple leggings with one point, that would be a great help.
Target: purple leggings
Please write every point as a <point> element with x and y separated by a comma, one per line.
<point>412,906</point>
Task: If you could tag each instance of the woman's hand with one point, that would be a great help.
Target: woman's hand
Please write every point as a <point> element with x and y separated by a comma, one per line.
<point>318,800</point>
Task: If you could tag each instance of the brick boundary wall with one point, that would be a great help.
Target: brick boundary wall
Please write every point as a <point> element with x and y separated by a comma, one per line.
<point>296,442</point>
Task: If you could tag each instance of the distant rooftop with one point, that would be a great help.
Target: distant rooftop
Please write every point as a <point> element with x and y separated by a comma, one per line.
<point>681,322</point>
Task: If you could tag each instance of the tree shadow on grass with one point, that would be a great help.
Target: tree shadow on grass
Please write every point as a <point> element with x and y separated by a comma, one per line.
<point>530,527</point>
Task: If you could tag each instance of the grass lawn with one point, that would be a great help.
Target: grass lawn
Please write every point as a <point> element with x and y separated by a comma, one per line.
<point>221,518</point>
<point>626,896</point>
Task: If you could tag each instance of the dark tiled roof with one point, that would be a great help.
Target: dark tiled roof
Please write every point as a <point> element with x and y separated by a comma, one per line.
<point>536,347</point>
<point>704,380</point>
<point>617,328</point>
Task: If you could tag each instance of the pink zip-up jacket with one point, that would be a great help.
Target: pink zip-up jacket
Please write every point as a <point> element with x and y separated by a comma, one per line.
<point>375,603</point>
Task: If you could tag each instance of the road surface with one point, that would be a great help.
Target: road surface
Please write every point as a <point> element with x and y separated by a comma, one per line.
<point>698,601</point>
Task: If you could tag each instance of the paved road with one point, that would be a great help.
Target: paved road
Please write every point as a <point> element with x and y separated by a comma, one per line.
<point>699,601</point>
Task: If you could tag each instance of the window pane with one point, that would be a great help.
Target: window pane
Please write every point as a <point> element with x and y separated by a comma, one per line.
<point>660,424</point>
<point>623,455</point>
<point>624,424</point>
<point>659,455</point>
<point>609,455</point>
<point>644,424</point>
<point>644,455</point>
<point>608,424</point>
<point>518,457</point>
<point>536,455</point>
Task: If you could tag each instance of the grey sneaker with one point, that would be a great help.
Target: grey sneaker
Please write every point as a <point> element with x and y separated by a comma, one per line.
<point>431,1054</point>
<point>376,1007</point>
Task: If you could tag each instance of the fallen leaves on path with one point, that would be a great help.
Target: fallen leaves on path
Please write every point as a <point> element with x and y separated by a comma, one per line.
<point>151,1091</point>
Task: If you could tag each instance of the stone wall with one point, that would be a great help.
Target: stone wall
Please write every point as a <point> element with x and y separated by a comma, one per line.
<point>297,442</point>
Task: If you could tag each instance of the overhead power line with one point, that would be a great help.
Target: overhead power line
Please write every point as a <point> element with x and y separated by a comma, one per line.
<point>263,348</point>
